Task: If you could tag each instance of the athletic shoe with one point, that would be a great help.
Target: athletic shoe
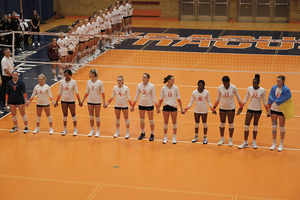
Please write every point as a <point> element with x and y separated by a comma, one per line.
<point>51,131</point>
<point>92,132</point>
<point>73,71</point>
<point>64,132</point>
<point>165,140</point>
<point>6,108</point>
<point>58,76</point>
<point>230,143</point>
<point>274,145</point>
<point>33,44</point>
<point>174,141</point>
<point>39,44</point>
<point>205,140</point>
<point>97,133</point>
<point>151,137</point>
<point>14,129</point>
<point>195,139</point>
<point>243,145</point>
<point>254,145</point>
<point>37,129</point>
<point>55,78</point>
<point>26,130</point>
<point>222,141</point>
<point>127,136</point>
<point>111,46</point>
<point>1,112</point>
<point>280,148</point>
<point>141,136</point>
<point>116,135</point>
<point>75,133</point>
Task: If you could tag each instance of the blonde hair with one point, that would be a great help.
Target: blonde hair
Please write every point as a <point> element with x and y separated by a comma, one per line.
<point>37,15</point>
<point>95,72</point>
<point>42,76</point>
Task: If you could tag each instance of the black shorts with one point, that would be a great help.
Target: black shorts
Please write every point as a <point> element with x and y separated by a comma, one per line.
<point>81,42</point>
<point>148,108</point>
<point>233,110</point>
<point>255,111</point>
<point>124,17</point>
<point>16,103</point>
<point>87,47</point>
<point>121,108</point>
<point>130,16</point>
<point>169,108</point>
<point>68,102</point>
<point>70,52</point>
<point>42,105</point>
<point>112,24</point>
<point>102,31</point>
<point>94,104</point>
<point>54,59</point>
<point>277,113</point>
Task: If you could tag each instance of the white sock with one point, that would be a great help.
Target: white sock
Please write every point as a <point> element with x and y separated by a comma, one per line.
<point>152,131</point>
<point>174,135</point>
<point>98,128</point>
<point>127,130</point>
<point>274,141</point>
<point>143,130</point>
<point>92,128</point>
<point>118,129</point>
<point>222,138</point>
<point>254,140</point>
<point>281,141</point>
<point>165,135</point>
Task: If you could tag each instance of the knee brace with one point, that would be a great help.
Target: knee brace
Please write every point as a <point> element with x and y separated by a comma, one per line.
<point>24,118</point>
<point>274,126</point>
<point>14,118</point>
<point>38,119</point>
<point>151,122</point>
<point>97,119</point>
<point>165,126</point>
<point>255,128</point>
<point>222,125</point>
<point>50,119</point>
<point>282,129</point>
<point>205,125</point>
<point>127,122</point>
<point>117,121</point>
<point>231,126</point>
<point>142,121</point>
<point>65,118</point>
<point>91,117</point>
<point>74,118</point>
<point>246,128</point>
<point>196,125</point>
<point>174,126</point>
<point>53,71</point>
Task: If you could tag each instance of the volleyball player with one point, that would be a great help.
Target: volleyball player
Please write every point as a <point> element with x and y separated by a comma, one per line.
<point>42,90</point>
<point>101,20</point>
<point>112,21</point>
<point>107,25</point>
<point>122,94</point>
<point>169,93</point>
<point>200,96</point>
<point>62,51</point>
<point>123,8</point>
<point>94,88</point>
<point>67,87</point>
<point>16,97</point>
<point>84,30</point>
<point>82,46</point>
<point>278,95</point>
<point>97,32</point>
<point>226,94</point>
<point>76,44</point>
<point>257,95</point>
<point>148,96</point>
<point>119,18</point>
<point>129,18</point>
<point>52,54</point>
<point>90,41</point>
<point>69,41</point>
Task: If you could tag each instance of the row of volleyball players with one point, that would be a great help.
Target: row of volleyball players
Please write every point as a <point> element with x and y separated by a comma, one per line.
<point>169,94</point>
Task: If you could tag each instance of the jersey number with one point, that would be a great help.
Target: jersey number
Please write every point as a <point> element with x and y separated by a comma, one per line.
<point>93,88</point>
<point>169,94</point>
<point>67,88</point>
<point>144,91</point>
<point>41,91</point>
<point>226,94</point>
<point>254,95</point>
<point>199,98</point>
<point>120,93</point>
<point>278,94</point>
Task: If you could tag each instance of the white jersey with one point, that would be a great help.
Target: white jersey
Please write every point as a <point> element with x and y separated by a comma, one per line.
<point>119,16</point>
<point>124,10</point>
<point>84,30</point>
<point>67,89</point>
<point>100,20</point>
<point>80,30</point>
<point>274,105</point>
<point>94,89</point>
<point>227,97</point>
<point>256,96</point>
<point>121,94</point>
<point>113,17</point>
<point>42,93</point>
<point>107,19</point>
<point>75,38</point>
<point>90,28</point>
<point>69,43</point>
<point>63,50</point>
<point>147,94</point>
<point>97,26</point>
<point>129,9</point>
<point>169,95</point>
<point>200,99</point>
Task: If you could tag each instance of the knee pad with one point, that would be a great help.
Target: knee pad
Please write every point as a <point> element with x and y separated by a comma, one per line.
<point>65,118</point>
<point>74,118</point>
<point>282,129</point>
<point>97,119</point>
<point>24,118</point>
<point>126,27</point>
<point>274,125</point>
<point>246,128</point>
<point>222,125</point>
<point>60,71</point>
<point>196,125</point>
<point>38,119</point>
<point>79,54</point>
<point>174,126</point>
<point>50,119</point>
<point>129,25</point>
<point>142,121</point>
<point>53,71</point>
<point>117,121</point>
<point>231,126</point>
<point>14,118</point>
<point>151,122</point>
<point>165,126</point>
<point>127,122</point>
<point>91,117</point>
<point>205,125</point>
<point>255,128</point>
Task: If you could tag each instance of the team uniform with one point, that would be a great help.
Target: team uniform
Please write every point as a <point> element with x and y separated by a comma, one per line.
<point>256,96</point>
<point>121,94</point>
<point>227,97</point>
<point>129,9</point>
<point>63,50</point>
<point>147,96</point>
<point>124,11</point>
<point>200,99</point>
<point>70,44</point>
<point>94,90</point>
<point>52,52</point>
<point>42,93</point>
<point>107,19</point>
<point>100,20</point>
<point>118,16</point>
<point>15,92</point>
<point>66,91</point>
<point>274,107</point>
<point>169,95</point>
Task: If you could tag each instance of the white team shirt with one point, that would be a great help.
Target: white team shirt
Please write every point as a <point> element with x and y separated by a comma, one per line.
<point>67,89</point>
<point>84,30</point>
<point>107,19</point>
<point>200,99</point>
<point>94,89</point>
<point>147,94</point>
<point>118,15</point>
<point>90,30</point>
<point>169,95</point>
<point>129,9</point>
<point>274,105</point>
<point>69,43</point>
<point>256,96</point>
<point>101,22</point>
<point>80,31</point>
<point>123,10</point>
<point>7,63</point>
<point>42,93</point>
<point>121,94</point>
<point>63,50</point>
<point>113,17</point>
<point>227,97</point>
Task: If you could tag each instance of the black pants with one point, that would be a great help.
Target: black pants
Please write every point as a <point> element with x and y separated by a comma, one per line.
<point>5,79</point>
<point>36,30</point>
